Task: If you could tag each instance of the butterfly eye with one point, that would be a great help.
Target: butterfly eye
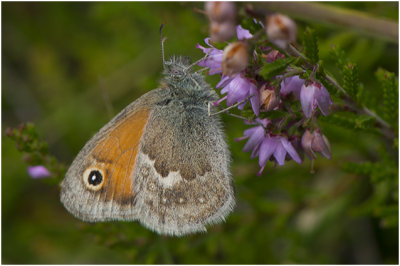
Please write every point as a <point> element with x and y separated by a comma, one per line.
<point>93,178</point>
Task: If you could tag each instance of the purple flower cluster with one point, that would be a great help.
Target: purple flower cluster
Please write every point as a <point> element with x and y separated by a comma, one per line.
<point>268,139</point>
<point>214,58</point>
<point>311,95</point>
<point>267,146</point>
<point>239,88</point>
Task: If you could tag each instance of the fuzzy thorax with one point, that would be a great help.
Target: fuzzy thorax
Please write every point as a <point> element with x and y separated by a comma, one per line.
<point>180,78</point>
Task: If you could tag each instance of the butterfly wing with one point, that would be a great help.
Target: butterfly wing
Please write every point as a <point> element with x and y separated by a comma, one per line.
<point>111,157</point>
<point>160,162</point>
<point>183,180</point>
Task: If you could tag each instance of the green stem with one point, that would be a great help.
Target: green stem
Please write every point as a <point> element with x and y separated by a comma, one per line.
<point>290,73</point>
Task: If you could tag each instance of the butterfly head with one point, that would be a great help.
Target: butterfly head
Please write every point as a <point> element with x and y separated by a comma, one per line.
<point>180,77</point>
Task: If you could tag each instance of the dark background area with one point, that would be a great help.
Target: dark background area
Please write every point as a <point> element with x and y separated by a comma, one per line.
<point>60,61</point>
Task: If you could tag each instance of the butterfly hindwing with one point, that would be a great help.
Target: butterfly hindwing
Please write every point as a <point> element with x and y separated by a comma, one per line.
<point>183,173</point>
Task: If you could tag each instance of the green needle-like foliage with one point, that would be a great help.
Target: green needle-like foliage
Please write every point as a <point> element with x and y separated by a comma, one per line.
<point>310,42</point>
<point>390,89</point>
<point>272,69</point>
<point>350,79</point>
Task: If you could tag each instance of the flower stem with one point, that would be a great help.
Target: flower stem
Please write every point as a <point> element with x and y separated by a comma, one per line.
<point>290,73</point>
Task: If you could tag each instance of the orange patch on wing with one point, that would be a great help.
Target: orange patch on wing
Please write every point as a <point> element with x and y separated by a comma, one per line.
<point>116,155</point>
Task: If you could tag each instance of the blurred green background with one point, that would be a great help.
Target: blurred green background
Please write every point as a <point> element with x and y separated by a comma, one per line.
<point>60,64</point>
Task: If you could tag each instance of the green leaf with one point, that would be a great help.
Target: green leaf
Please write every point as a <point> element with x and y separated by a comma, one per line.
<point>361,95</point>
<point>358,168</point>
<point>270,70</point>
<point>351,80</point>
<point>377,171</point>
<point>338,56</point>
<point>274,114</point>
<point>327,84</point>
<point>310,43</point>
<point>364,122</point>
<point>351,121</point>
<point>249,24</point>
<point>35,151</point>
<point>389,85</point>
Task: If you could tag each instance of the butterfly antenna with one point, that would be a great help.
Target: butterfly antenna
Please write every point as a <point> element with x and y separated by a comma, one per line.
<point>198,61</point>
<point>162,40</point>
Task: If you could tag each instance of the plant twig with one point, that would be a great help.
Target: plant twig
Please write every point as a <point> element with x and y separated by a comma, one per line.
<point>365,110</point>
<point>377,117</point>
<point>386,128</point>
<point>334,83</point>
<point>325,13</point>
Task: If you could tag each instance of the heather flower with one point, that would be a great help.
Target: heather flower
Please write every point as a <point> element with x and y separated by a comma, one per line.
<point>243,34</point>
<point>281,30</point>
<point>222,31</point>
<point>265,145</point>
<point>293,85</point>
<point>214,58</point>
<point>278,147</point>
<point>273,56</point>
<point>268,98</point>
<point>255,136</point>
<point>321,144</point>
<point>313,95</point>
<point>238,89</point>
<point>296,143</point>
<point>306,143</point>
<point>315,142</point>
<point>235,58</point>
<point>220,11</point>
<point>222,17</point>
<point>38,171</point>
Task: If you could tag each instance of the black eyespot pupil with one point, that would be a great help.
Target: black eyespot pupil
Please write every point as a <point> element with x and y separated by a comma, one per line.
<point>95,178</point>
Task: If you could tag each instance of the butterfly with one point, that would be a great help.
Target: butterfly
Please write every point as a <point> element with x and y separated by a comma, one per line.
<point>162,161</point>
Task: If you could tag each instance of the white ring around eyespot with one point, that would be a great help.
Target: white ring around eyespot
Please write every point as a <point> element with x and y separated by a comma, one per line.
<point>85,177</point>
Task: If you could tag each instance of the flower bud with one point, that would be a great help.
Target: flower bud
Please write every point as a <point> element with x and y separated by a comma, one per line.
<point>221,32</point>
<point>268,98</point>
<point>273,56</point>
<point>221,11</point>
<point>281,30</point>
<point>235,58</point>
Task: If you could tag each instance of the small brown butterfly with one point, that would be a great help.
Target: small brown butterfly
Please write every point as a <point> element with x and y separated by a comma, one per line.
<point>162,161</point>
